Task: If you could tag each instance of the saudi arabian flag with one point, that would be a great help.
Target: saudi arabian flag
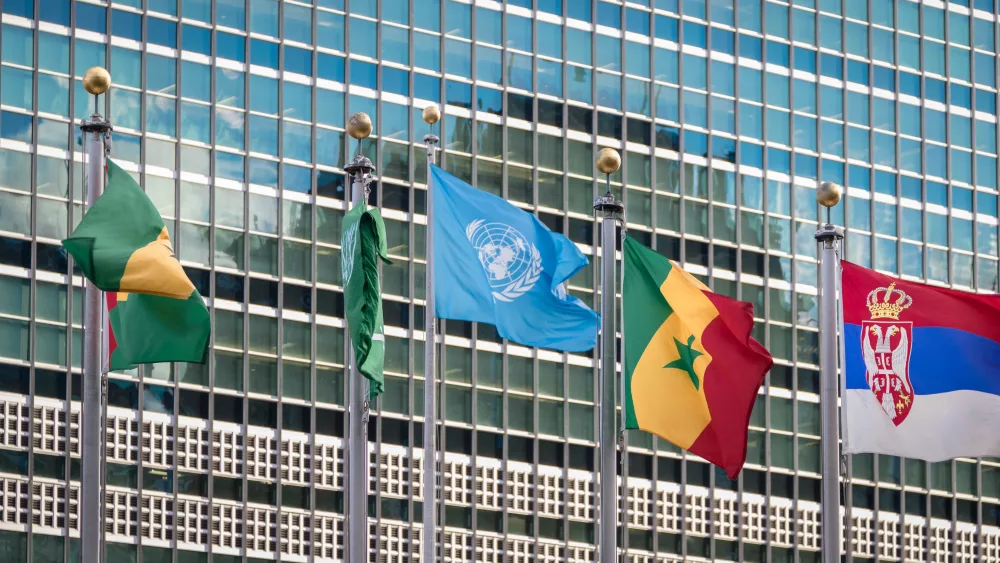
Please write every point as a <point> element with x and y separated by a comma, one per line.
<point>362,244</point>
<point>154,311</point>
<point>692,370</point>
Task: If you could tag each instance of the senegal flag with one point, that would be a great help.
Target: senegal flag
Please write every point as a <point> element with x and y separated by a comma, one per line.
<point>692,370</point>
<point>154,311</point>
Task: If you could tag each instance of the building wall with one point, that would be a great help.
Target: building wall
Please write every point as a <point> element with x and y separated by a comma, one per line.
<point>231,115</point>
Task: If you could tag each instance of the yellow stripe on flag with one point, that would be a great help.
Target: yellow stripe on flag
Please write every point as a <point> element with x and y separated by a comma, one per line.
<point>154,270</point>
<point>665,399</point>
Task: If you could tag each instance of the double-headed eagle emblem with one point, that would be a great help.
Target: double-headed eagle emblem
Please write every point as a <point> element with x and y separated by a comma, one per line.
<point>886,345</point>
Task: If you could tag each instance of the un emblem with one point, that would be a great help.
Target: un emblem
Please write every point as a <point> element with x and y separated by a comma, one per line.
<point>348,248</point>
<point>512,264</point>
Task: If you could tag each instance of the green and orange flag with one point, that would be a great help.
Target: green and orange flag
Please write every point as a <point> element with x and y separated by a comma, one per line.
<point>692,370</point>
<point>122,246</point>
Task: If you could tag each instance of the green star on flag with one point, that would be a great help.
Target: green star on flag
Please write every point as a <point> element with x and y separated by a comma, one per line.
<point>685,362</point>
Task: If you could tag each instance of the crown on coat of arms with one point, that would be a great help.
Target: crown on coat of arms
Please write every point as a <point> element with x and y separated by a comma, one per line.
<point>886,306</point>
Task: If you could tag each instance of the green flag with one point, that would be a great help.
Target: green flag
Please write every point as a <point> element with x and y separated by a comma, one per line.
<point>146,329</point>
<point>362,242</point>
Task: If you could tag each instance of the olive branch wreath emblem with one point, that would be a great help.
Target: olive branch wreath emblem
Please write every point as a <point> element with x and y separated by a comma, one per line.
<point>525,282</point>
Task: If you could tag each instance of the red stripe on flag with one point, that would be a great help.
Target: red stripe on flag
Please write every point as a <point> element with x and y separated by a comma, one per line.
<point>112,300</point>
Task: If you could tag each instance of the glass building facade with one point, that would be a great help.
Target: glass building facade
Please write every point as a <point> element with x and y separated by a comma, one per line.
<point>727,113</point>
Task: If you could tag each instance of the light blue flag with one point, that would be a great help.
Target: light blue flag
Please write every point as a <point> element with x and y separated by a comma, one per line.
<point>497,264</point>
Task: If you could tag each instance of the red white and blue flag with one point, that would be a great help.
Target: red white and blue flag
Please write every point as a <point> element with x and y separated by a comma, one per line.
<point>922,368</point>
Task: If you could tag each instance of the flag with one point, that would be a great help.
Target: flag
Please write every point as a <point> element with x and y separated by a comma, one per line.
<point>494,263</point>
<point>146,329</point>
<point>155,313</point>
<point>922,368</point>
<point>692,370</point>
<point>362,243</point>
<point>121,244</point>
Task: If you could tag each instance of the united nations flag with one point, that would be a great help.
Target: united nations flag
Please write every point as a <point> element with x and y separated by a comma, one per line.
<point>494,263</point>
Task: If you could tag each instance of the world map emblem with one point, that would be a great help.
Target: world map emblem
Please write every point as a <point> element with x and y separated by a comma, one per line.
<point>886,343</point>
<point>348,248</point>
<point>512,264</point>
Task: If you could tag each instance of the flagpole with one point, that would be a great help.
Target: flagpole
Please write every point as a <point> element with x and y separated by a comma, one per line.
<point>428,546</point>
<point>96,81</point>
<point>361,170</point>
<point>829,237</point>
<point>609,210</point>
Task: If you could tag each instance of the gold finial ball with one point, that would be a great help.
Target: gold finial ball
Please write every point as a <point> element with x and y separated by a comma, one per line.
<point>608,161</point>
<point>431,115</point>
<point>96,80</point>
<point>829,194</point>
<point>359,125</point>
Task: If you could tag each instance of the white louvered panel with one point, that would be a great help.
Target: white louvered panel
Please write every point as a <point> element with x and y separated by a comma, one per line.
<point>782,522</point>
<point>456,547</point>
<point>810,530</point>
<point>262,454</point>
<point>122,515</point>
<point>227,526</point>
<point>640,557</point>
<point>157,440</point>
<point>394,472</point>
<point>966,542</point>
<point>489,548</point>
<point>940,542</point>
<point>157,519</point>
<point>520,487</point>
<point>580,495</point>
<point>74,429</point>
<point>261,530</point>
<point>754,509</point>
<point>550,552</point>
<point>14,422</point>
<point>74,509</point>
<point>668,507</point>
<point>641,511</point>
<point>888,536</point>
<point>122,435</point>
<point>520,550</point>
<point>990,544</point>
<point>227,449</point>
<point>394,544</point>
<point>914,532</point>
<point>328,533</point>
<point>295,536</point>
<point>192,523</point>
<point>49,428</point>
<point>457,479</point>
<point>698,505</point>
<point>192,445</point>
<point>489,483</point>
<point>417,471</point>
<point>296,458</point>
<point>48,506</point>
<point>551,498</point>
<point>862,532</point>
<point>726,522</point>
<point>581,554</point>
<point>328,462</point>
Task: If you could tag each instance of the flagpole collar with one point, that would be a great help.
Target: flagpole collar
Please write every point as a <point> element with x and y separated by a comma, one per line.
<point>829,233</point>
<point>360,165</point>
<point>608,205</point>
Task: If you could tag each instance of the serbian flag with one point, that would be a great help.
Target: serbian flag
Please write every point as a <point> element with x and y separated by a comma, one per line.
<point>692,370</point>
<point>922,368</point>
<point>121,245</point>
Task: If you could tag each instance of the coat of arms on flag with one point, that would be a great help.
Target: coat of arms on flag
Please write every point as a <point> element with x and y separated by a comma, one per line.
<point>886,343</point>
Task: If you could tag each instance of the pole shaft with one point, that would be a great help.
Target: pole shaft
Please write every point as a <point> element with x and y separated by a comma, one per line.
<point>608,436</point>
<point>829,388</point>
<point>92,447</point>
<point>429,542</point>
<point>357,454</point>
